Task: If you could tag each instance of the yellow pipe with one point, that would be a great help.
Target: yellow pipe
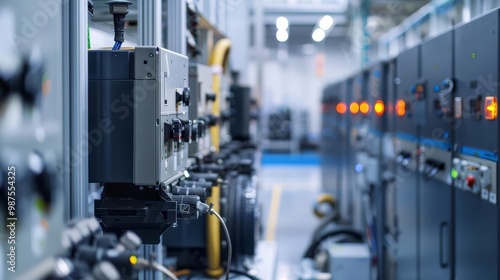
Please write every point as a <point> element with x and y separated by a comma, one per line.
<point>214,269</point>
<point>218,60</point>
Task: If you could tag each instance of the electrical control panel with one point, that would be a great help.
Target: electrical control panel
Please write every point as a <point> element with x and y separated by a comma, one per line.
<point>437,70</point>
<point>477,78</point>
<point>410,95</point>
<point>138,114</point>
<point>200,110</point>
<point>476,57</point>
<point>476,175</point>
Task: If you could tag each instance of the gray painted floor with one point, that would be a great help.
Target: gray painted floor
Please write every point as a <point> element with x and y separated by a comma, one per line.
<point>295,222</point>
<point>299,187</point>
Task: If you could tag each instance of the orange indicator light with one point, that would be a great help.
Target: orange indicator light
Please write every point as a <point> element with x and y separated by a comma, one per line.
<point>490,108</point>
<point>364,107</point>
<point>379,107</point>
<point>341,108</point>
<point>400,108</point>
<point>354,107</point>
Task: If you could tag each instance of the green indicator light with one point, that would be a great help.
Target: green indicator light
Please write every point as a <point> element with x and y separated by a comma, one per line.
<point>454,173</point>
<point>473,55</point>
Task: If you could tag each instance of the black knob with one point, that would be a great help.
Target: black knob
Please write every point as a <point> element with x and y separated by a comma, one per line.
<point>173,131</point>
<point>212,120</point>
<point>183,97</point>
<point>202,126</point>
<point>186,131</point>
<point>211,96</point>
<point>186,96</point>
<point>194,131</point>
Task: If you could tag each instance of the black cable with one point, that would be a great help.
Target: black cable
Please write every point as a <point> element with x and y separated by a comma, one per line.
<point>229,246</point>
<point>243,273</point>
<point>313,247</point>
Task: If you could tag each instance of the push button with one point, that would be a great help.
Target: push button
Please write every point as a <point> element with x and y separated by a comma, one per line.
<point>470,180</point>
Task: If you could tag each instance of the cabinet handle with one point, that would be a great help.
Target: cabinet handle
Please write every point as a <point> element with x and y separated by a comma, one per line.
<point>443,256</point>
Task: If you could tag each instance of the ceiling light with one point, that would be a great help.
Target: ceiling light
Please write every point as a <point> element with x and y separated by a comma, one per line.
<point>326,22</point>
<point>281,35</point>
<point>318,35</point>
<point>281,23</point>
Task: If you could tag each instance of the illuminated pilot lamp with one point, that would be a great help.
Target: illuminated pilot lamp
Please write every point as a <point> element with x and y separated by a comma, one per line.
<point>354,107</point>
<point>400,108</point>
<point>379,107</point>
<point>490,108</point>
<point>364,107</point>
<point>341,108</point>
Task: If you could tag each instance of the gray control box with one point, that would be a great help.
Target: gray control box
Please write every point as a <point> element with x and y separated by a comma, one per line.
<point>139,128</point>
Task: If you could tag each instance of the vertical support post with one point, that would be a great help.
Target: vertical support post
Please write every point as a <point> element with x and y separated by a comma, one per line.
<point>76,29</point>
<point>149,22</point>
<point>259,48</point>
<point>365,12</point>
<point>238,14</point>
<point>466,11</point>
<point>176,22</point>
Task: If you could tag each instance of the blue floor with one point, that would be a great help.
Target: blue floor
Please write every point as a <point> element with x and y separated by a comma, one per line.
<point>295,159</point>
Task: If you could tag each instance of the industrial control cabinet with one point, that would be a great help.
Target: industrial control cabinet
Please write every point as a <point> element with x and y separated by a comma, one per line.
<point>389,232</point>
<point>330,138</point>
<point>436,155</point>
<point>379,163</point>
<point>34,147</point>
<point>408,102</point>
<point>359,125</point>
<point>475,164</point>
<point>345,181</point>
<point>138,104</point>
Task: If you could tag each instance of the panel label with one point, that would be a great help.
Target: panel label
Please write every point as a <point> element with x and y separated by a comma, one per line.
<point>493,198</point>
<point>485,194</point>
